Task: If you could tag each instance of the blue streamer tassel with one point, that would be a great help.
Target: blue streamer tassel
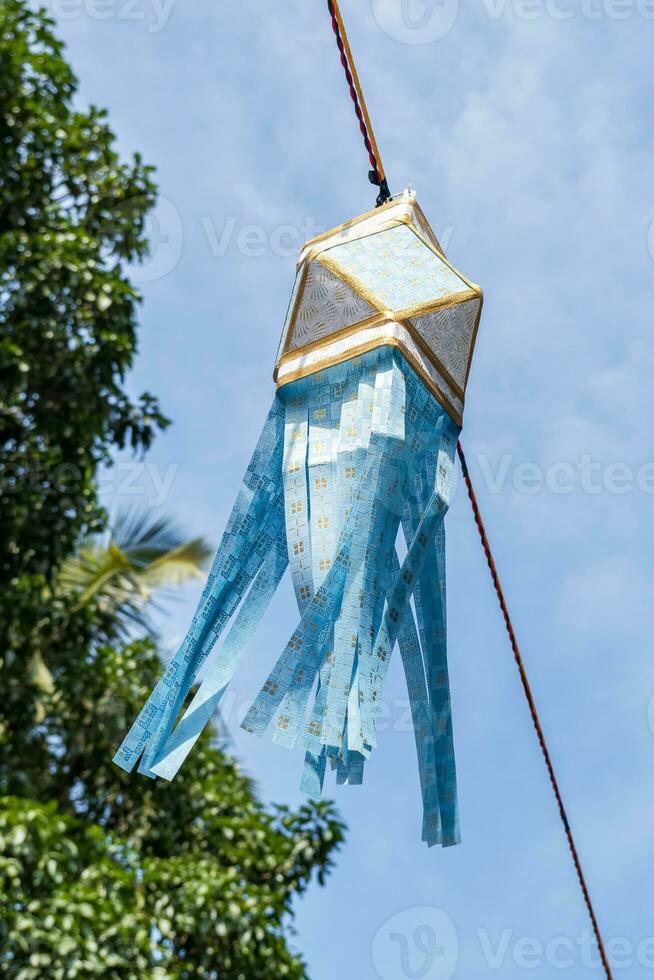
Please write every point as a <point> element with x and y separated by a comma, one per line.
<point>346,458</point>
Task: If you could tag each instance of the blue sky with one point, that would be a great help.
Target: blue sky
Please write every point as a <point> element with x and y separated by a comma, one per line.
<point>526,128</point>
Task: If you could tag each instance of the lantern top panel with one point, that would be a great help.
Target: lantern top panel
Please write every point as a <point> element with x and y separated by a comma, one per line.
<point>404,208</point>
<point>397,269</point>
<point>382,278</point>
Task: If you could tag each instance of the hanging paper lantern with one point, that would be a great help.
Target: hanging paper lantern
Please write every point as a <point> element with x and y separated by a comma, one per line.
<point>360,441</point>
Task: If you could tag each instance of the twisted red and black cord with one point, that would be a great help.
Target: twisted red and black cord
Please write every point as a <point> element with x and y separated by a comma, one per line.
<point>377,176</point>
<point>532,706</point>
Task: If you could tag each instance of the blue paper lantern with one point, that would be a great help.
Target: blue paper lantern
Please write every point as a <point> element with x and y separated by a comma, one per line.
<point>359,442</point>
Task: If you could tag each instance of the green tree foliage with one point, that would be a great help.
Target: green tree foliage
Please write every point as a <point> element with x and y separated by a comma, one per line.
<point>101,873</point>
<point>121,877</point>
<point>71,215</point>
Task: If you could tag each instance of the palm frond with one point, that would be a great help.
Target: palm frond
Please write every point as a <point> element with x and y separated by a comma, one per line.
<point>121,572</point>
<point>178,565</point>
